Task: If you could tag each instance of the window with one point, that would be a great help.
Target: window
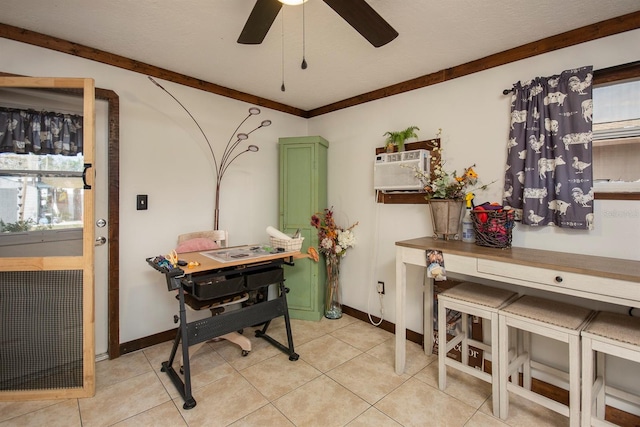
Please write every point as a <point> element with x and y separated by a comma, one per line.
<point>41,195</point>
<point>40,192</point>
<point>616,136</point>
<point>615,115</point>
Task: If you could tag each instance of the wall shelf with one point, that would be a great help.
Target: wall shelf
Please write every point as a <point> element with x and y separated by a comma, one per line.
<point>411,197</point>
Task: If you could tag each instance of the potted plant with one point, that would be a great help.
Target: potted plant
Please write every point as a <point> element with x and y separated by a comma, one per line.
<point>398,138</point>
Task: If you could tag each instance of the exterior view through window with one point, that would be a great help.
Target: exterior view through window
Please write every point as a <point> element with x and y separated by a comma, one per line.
<point>40,192</point>
<point>616,136</point>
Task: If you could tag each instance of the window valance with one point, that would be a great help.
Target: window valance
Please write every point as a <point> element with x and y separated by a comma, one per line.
<point>40,132</point>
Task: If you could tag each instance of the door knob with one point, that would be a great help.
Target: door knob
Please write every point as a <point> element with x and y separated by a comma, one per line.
<point>100,241</point>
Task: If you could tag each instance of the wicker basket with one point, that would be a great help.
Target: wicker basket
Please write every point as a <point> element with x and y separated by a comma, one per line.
<point>289,245</point>
<point>493,228</point>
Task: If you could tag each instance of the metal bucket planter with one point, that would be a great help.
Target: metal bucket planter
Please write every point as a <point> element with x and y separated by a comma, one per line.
<point>446,215</point>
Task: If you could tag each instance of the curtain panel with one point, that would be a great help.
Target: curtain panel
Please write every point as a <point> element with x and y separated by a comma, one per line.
<point>40,132</point>
<point>548,178</point>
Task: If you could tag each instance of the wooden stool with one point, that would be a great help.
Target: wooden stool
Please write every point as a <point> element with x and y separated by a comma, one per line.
<point>562,322</point>
<point>607,334</point>
<point>471,299</point>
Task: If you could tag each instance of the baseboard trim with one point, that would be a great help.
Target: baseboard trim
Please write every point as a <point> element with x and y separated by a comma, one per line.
<point>151,340</point>
<point>558,394</point>
<point>385,325</point>
<point>160,337</point>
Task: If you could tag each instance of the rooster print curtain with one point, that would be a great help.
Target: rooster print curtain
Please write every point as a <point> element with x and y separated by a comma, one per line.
<point>40,132</point>
<point>548,178</point>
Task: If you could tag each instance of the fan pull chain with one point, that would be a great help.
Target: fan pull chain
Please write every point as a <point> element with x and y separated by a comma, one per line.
<point>304,61</point>
<point>282,88</point>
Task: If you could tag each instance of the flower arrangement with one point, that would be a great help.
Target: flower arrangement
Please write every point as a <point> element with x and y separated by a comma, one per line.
<point>334,240</point>
<point>449,185</point>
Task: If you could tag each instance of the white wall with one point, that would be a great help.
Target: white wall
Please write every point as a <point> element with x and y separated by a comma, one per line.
<point>163,155</point>
<point>474,117</point>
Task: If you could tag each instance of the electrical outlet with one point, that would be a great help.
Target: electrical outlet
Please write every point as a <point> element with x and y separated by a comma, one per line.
<point>380,287</point>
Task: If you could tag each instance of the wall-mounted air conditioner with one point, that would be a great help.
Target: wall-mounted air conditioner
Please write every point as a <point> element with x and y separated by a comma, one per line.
<point>397,171</point>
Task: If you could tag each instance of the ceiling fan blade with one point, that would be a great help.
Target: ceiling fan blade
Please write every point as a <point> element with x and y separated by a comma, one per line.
<point>364,20</point>
<point>259,22</point>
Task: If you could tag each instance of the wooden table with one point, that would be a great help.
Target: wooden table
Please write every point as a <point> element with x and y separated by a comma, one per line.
<point>604,279</point>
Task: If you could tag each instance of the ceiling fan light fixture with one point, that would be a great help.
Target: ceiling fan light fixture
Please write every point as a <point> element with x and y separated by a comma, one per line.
<point>292,2</point>
<point>357,13</point>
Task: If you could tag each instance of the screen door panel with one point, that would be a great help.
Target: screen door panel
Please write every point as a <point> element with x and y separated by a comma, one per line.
<point>47,344</point>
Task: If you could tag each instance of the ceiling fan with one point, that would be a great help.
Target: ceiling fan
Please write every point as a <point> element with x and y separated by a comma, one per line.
<point>357,13</point>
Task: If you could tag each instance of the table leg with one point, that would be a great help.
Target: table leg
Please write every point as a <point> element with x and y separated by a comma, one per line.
<point>401,302</point>
<point>427,328</point>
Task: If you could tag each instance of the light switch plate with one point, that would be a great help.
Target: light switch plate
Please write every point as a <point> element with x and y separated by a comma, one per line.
<point>141,202</point>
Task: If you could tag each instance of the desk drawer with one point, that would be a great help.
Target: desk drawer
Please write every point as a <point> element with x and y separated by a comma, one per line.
<point>460,264</point>
<point>210,287</point>
<point>264,278</point>
<point>600,288</point>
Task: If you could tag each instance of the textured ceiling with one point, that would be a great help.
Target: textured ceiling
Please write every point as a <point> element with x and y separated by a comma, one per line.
<point>198,38</point>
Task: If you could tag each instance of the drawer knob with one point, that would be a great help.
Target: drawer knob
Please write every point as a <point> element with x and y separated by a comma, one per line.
<point>559,279</point>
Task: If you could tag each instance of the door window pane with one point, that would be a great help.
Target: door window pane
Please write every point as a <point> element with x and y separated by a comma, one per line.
<point>41,205</point>
<point>40,192</point>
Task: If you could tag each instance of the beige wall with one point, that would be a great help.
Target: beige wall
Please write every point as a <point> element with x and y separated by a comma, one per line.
<point>163,155</point>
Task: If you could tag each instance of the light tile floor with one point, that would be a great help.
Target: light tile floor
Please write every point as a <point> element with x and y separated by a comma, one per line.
<point>345,377</point>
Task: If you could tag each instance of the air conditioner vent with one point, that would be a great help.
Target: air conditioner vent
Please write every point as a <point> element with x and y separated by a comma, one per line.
<point>397,171</point>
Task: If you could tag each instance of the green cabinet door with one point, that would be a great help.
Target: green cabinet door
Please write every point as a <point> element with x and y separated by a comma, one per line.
<point>303,192</point>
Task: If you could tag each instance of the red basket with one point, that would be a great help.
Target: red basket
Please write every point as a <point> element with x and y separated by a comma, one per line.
<point>493,228</point>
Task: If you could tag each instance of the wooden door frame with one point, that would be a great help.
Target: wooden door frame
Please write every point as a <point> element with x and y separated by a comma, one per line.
<point>113,216</point>
<point>113,219</point>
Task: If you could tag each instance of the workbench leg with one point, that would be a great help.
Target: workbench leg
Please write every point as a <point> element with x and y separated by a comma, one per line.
<point>287,321</point>
<point>263,333</point>
<point>174,350</point>
<point>184,387</point>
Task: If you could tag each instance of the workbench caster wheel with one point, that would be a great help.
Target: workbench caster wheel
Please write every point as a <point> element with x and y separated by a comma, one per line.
<point>245,353</point>
<point>189,404</point>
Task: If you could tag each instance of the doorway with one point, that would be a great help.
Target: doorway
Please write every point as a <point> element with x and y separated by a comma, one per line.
<point>107,208</point>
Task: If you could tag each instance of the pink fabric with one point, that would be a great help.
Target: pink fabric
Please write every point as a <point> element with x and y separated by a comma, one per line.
<point>197,244</point>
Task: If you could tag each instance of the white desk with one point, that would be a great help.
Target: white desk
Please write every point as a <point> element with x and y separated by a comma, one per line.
<point>597,278</point>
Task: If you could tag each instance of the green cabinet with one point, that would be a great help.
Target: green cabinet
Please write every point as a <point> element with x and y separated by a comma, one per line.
<point>303,192</point>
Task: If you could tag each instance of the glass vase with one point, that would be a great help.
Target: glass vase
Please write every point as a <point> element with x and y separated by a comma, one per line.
<point>333,300</point>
